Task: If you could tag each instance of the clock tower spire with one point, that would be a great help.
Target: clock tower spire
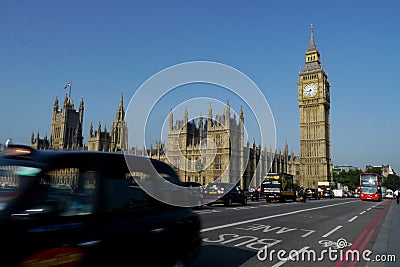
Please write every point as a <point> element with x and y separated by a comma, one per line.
<point>314,104</point>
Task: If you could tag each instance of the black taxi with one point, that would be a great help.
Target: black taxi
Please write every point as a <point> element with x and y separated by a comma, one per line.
<point>81,208</point>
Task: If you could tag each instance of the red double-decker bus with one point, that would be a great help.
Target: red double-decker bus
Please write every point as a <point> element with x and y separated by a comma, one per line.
<point>370,186</point>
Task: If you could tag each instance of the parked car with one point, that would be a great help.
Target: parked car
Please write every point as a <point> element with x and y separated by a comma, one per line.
<point>312,193</point>
<point>196,191</point>
<point>224,193</point>
<point>85,208</point>
<point>327,193</point>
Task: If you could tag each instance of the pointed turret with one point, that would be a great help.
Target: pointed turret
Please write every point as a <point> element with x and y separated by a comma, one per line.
<point>201,126</point>
<point>185,116</point>
<point>227,115</point>
<point>313,61</point>
<point>91,130</point>
<point>286,151</point>
<point>81,109</point>
<point>209,117</point>
<point>55,106</point>
<point>171,121</point>
<point>120,116</point>
<point>312,47</point>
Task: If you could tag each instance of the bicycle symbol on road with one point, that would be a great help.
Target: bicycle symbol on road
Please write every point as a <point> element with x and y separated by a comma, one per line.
<point>339,244</point>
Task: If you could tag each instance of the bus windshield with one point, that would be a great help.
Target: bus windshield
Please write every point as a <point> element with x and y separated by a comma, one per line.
<point>368,190</point>
<point>369,180</point>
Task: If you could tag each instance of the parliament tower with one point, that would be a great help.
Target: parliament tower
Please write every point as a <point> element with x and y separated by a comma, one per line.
<point>314,105</point>
<point>66,125</point>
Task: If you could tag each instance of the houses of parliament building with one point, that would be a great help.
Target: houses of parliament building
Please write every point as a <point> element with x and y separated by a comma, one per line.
<point>214,147</point>
<point>185,149</point>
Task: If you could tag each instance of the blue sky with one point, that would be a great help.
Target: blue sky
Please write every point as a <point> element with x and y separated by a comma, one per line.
<point>111,47</point>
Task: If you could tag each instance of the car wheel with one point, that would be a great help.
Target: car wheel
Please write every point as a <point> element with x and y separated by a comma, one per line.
<point>245,202</point>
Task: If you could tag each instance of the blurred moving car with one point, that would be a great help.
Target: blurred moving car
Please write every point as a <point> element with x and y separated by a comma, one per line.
<point>224,193</point>
<point>85,208</point>
<point>312,193</point>
<point>328,193</point>
<point>389,194</point>
<point>254,194</point>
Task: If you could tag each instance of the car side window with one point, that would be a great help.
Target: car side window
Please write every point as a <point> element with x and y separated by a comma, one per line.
<point>61,192</point>
<point>72,190</point>
<point>121,192</point>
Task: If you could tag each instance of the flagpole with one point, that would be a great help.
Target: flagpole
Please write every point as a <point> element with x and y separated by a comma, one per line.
<point>70,86</point>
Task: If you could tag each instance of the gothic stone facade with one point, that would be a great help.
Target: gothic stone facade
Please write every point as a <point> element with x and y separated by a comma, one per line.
<point>66,130</point>
<point>314,104</point>
<point>114,141</point>
<point>66,126</point>
<point>211,149</point>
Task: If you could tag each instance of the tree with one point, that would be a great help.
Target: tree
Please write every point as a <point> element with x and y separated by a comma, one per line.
<point>377,170</point>
<point>350,178</point>
<point>392,182</point>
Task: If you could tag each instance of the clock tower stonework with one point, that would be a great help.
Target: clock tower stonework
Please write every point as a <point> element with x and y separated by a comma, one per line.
<point>314,105</point>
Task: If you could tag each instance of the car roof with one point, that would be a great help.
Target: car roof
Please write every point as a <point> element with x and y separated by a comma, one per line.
<point>80,158</point>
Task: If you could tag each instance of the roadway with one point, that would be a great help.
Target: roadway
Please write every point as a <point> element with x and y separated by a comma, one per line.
<point>316,233</point>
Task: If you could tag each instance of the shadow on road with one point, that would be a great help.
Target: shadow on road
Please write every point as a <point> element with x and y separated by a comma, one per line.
<point>212,255</point>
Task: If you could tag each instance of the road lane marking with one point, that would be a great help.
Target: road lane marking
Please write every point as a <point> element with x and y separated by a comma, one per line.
<point>299,252</point>
<point>352,219</point>
<point>369,209</point>
<point>307,234</point>
<point>270,217</point>
<point>332,231</point>
<point>370,228</point>
<point>207,211</point>
<point>362,212</point>
<point>242,208</point>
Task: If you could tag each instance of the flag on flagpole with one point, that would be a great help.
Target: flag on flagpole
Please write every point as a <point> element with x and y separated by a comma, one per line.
<point>68,84</point>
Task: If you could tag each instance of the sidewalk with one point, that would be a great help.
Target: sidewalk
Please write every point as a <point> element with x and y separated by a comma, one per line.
<point>388,240</point>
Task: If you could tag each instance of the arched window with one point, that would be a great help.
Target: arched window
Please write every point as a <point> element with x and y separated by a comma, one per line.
<point>218,162</point>
<point>218,140</point>
<point>189,164</point>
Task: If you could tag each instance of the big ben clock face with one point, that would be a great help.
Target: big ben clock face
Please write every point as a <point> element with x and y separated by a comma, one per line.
<point>310,90</point>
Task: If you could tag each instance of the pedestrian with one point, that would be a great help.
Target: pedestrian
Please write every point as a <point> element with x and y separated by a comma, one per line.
<point>302,194</point>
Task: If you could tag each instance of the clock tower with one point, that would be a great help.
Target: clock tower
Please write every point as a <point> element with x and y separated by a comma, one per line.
<point>314,105</point>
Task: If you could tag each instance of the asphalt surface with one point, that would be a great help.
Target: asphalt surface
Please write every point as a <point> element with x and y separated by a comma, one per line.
<point>319,232</point>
